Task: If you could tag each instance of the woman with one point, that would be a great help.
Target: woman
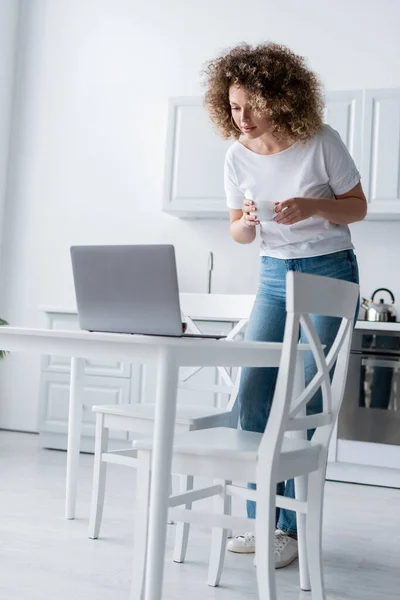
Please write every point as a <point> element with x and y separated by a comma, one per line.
<point>271,103</point>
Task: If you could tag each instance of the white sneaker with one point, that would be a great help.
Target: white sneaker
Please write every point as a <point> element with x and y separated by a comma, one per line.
<point>244,544</point>
<point>286,550</point>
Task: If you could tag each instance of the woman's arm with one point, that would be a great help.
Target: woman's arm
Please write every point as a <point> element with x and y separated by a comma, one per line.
<point>242,232</point>
<point>346,208</point>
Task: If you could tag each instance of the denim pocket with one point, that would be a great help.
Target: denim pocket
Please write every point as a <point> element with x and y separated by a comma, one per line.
<point>352,259</point>
<point>339,265</point>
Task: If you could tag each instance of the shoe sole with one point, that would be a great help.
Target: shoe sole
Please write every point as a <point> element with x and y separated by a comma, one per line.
<point>285,563</point>
<point>242,550</point>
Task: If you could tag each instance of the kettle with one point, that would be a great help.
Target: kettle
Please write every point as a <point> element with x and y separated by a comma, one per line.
<point>379,311</point>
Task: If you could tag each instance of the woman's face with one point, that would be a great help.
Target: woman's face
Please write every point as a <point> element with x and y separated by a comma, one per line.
<point>250,122</point>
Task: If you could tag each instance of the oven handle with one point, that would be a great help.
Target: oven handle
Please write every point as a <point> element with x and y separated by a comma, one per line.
<point>384,354</point>
<point>369,361</point>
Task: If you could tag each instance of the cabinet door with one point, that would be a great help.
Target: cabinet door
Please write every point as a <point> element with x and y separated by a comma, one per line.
<point>343,112</point>
<point>62,364</point>
<point>194,183</point>
<point>54,392</point>
<point>381,152</point>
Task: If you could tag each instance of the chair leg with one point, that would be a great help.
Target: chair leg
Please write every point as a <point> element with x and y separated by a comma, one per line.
<point>265,528</point>
<point>315,503</point>
<point>171,493</point>
<point>143,476</point>
<point>301,494</point>
<point>228,509</point>
<point>99,478</point>
<point>182,529</point>
<point>222,504</point>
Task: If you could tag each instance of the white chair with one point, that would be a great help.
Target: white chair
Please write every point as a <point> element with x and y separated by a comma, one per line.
<point>139,418</point>
<point>280,454</point>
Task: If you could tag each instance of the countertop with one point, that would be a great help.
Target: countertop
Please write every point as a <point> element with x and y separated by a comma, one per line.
<point>359,325</point>
<point>376,325</point>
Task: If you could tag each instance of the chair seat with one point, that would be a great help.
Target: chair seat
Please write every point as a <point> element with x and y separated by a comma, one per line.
<point>224,442</point>
<point>185,414</point>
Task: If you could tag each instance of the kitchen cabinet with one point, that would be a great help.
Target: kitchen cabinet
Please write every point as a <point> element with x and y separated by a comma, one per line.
<point>381,152</point>
<point>54,390</point>
<point>343,112</point>
<point>106,382</point>
<point>193,184</point>
<point>367,120</point>
<point>363,462</point>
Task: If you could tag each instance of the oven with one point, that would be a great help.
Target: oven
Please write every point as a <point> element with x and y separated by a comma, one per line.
<point>371,405</point>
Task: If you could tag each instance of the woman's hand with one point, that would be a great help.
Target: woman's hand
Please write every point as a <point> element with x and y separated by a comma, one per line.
<point>295,209</point>
<point>249,219</point>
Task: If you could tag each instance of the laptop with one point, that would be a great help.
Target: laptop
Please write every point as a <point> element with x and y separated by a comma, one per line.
<point>129,289</point>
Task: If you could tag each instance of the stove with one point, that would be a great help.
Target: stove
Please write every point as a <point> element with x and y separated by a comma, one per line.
<point>371,405</point>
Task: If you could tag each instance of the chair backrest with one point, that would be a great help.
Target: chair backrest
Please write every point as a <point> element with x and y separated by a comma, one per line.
<point>307,296</point>
<point>234,308</point>
<point>218,307</point>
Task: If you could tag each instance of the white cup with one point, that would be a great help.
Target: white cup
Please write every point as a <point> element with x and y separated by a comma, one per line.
<point>265,210</point>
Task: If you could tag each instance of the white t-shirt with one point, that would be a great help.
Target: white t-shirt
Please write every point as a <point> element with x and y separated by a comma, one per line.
<point>318,168</point>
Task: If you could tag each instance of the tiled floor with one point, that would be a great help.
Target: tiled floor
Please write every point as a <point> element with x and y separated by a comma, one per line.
<point>45,557</point>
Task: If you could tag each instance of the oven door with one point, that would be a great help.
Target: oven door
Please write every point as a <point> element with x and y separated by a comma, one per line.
<point>371,405</point>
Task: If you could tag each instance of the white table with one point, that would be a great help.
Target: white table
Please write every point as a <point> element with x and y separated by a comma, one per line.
<point>168,354</point>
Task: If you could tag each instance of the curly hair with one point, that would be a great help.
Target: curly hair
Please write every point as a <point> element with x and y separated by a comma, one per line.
<point>278,83</point>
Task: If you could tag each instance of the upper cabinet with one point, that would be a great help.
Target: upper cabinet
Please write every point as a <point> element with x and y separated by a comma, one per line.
<point>194,181</point>
<point>368,122</point>
<point>381,153</point>
<point>343,112</point>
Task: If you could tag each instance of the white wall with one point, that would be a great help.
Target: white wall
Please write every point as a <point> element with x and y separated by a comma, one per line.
<point>94,78</point>
<point>8,33</point>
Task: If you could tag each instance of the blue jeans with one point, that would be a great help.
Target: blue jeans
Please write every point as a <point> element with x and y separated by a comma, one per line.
<point>267,323</point>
